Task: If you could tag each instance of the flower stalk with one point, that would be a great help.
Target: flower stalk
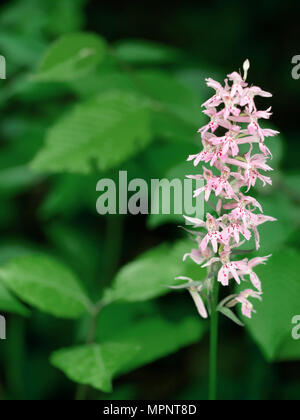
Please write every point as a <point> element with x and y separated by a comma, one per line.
<point>213,357</point>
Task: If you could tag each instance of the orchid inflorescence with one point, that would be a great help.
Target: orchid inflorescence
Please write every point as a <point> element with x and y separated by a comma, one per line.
<point>231,175</point>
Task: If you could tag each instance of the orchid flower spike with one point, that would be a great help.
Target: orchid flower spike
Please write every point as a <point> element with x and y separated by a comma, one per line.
<point>229,176</point>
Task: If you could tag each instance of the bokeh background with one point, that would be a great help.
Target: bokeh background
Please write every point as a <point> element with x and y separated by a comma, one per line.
<point>55,212</point>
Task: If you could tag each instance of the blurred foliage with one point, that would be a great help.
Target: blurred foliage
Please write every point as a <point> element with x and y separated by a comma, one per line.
<point>92,90</point>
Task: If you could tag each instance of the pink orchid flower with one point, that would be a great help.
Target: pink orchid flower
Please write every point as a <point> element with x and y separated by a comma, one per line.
<point>204,156</point>
<point>255,129</point>
<point>229,143</point>
<point>218,184</point>
<point>233,230</point>
<point>214,236</point>
<point>247,97</point>
<point>241,212</point>
<point>248,270</point>
<point>261,219</point>
<point>251,166</point>
<point>197,255</point>
<point>229,268</point>
<point>243,298</point>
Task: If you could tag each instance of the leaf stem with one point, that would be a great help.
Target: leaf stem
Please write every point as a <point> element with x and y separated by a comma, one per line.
<point>82,390</point>
<point>214,343</point>
<point>114,242</point>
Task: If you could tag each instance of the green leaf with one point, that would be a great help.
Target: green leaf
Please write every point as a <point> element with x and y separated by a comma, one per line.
<point>71,57</point>
<point>11,249</point>
<point>175,108</point>
<point>156,337</point>
<point>92,131</point>
<point>292,181</point>
<point>164,160</point>
<point>167,125</point>
<point>69,194</point>
<point>94,364</point>
<point>46,284</point>
<point>121,315</point>
<point>178,171</point>
<point>137,51</point>
<point>67,16</point>
<point>173,96</point>
<point>80,249</point>
<point>20,49</point>
<point>150,274</point>
<point>231,315</point>
<point>275,234</point>
<point>16,179</point>
<point>272,326</point>
<point>104,79</point>
<point>290,350</point>
<point>8,303</point>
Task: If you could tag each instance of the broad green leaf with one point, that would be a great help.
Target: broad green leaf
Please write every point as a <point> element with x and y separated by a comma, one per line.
<point>69,194</point>
<point>137,51</point>
<point>39,18</point>
<point>66,16</point>
<point>107,130</point>
<point>272,326</point>
<point>275,234</point>
<point>167,125</point>
<point>104,80</point>
<point>292,182</point>
<point>165,160</point>
<point>179,171</point>
<point>155,336</point>
<point>20,49</point>
<point>46,284</point>
<point>12,249</point>
<point>8,303</point>
<point>72,56</point>
<point>290,350</point>
<point>172,97</point>
<point>150,274</point>
<point>95,364</point>
<point>15,179</point>
<point>175,108</point>
<point>81,250</point>
<point>31,91</point>
<point>121,315</point>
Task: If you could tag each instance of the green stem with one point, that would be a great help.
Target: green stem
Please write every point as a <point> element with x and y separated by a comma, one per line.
<point>213,360</point>
<point>114,242</point>
<point>113,245</point>
<point>82,390</point>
